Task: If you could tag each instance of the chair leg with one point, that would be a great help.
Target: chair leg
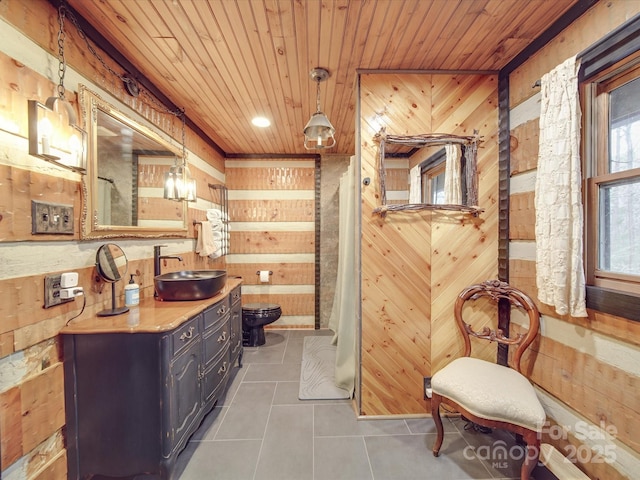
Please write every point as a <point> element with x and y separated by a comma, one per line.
<point>435,413</point>
<point>531,456</point>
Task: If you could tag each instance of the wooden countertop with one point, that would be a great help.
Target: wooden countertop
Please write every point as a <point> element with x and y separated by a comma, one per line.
<point>151,316</point>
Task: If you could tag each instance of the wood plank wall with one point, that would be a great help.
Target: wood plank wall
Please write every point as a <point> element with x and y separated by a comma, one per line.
<point>272,204</point>
<point>586,368</point>
<point>415,263</point>
<point>32,415</point>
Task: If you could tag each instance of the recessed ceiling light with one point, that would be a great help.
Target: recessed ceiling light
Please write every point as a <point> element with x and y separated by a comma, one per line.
<point>261,122</point>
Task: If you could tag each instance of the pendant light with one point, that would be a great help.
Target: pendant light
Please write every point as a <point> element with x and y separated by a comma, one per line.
<point>179,185</point>
<point>318,133</point>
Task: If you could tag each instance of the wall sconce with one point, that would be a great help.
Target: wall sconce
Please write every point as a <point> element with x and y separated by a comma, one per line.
<point>318,133</point>
<point>54,139</point>
<point>50,137</point>
<point>179,185</point>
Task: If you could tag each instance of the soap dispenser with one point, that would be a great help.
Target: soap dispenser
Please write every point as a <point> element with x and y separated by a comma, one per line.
<point>131,293</point>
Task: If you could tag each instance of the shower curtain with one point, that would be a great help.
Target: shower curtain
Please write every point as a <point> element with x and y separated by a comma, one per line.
<point>343,314</point>
<point>104,200</point>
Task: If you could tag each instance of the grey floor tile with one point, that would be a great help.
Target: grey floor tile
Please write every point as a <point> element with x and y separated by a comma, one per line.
<point>409,457</point>
<point>260,430</point>
<point>225,460</point>
<point>498,450</point>
<point>287,372</point>
<point>287,394</point>
<point>341,458</point>
<point>426,425</point>
<point>287,450</point>
<point>271,352</point>
<point>293,352</point>
<point>339,419</point>
<point>246,417</point>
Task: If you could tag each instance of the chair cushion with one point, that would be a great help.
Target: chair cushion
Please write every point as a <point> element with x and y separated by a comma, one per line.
<point>490,391</point>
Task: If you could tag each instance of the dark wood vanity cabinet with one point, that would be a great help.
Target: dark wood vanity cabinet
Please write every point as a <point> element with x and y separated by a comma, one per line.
<point>235,321</point>
<point>134,399</point>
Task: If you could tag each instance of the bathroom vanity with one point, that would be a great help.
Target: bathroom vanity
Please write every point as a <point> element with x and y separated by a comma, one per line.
<point>138,385</point>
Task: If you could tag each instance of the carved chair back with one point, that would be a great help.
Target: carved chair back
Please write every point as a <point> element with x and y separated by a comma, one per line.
<point>496,290</point>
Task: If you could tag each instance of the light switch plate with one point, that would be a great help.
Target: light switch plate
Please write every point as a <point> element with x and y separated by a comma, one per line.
<point>51,218</point>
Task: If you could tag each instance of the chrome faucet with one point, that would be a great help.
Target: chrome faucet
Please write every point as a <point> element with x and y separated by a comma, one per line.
<point>157,257</point>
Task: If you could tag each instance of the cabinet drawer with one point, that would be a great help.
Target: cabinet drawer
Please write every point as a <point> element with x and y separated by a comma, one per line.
<point>215,313</point>
<point>185,334</point>
<point>235,295</point>
<point>215,339</point>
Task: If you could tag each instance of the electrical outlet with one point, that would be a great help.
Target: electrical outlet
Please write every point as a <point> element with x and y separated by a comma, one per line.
<point>52,289</point>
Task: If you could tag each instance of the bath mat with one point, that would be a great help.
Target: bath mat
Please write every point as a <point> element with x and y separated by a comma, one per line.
<point>317,372</point>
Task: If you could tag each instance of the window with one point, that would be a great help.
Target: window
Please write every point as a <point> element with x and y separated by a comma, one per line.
<point>612,153</point>
<point>433,183</point>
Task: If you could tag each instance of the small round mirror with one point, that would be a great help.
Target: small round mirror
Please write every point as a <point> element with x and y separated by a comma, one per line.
<point>111,262</point>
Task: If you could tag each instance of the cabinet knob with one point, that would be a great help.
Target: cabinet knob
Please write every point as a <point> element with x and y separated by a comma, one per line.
<point>222,310</point>
<point>223,368</point>
<point>187,335</point>
<point>223,337</point>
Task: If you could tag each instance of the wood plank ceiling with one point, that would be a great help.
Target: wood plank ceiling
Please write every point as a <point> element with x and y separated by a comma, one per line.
<point>226,61</point>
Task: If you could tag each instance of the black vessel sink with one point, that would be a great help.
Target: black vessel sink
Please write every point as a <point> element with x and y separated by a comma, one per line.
<point>189,284</point>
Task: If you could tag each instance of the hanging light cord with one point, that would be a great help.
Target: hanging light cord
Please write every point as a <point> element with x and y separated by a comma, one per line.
<point>62,64</point>
<point>64,11</point>
<point>184,149</point>
<point>318,96</point>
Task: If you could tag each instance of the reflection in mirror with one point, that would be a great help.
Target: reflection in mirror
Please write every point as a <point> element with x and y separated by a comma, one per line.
<point>126,163</point>
<point>427,172</point>
<point>431,185</point>
<point>111,264</point>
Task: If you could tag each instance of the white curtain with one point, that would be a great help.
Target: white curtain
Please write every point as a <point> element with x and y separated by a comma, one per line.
<point>343,314</point>
<point>415,185</point>
<point>452,182</point>
<point>559,217</point>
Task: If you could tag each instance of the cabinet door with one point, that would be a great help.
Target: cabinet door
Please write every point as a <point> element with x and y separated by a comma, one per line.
<point>215,378</point>
<point>184,394</point>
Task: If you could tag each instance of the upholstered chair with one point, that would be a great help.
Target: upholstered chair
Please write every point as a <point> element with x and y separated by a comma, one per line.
<point>486,393</point>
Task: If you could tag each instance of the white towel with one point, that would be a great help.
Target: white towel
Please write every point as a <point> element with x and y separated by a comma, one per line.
<point>217,225</point>
<point>205,244</point>
<point>214,214</point>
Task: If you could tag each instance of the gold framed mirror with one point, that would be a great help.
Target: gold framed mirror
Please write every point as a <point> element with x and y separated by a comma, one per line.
<point>123,188</point>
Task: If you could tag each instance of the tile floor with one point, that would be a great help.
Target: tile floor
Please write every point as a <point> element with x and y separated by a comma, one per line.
<point>261,431</point>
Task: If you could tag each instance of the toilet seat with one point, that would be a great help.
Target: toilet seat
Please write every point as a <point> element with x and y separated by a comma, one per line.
<point>261,309</point>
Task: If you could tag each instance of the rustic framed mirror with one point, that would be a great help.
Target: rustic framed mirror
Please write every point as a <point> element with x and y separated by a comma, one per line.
<point>123,186</point>
<point>427,172</point>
